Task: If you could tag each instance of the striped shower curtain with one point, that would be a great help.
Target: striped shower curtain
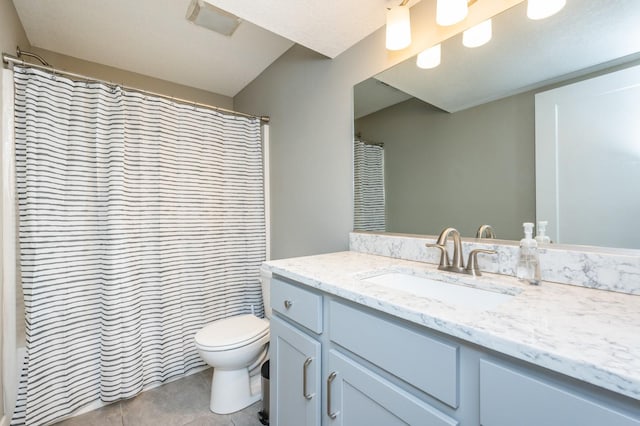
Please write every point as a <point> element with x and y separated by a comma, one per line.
<point>141,220</point>
<point>368,186</point>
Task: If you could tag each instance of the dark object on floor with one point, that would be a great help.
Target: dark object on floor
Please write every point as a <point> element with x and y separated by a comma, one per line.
<point>263,415</point>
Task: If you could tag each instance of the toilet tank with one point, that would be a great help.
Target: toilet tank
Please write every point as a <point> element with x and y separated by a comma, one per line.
<point>265,280</point>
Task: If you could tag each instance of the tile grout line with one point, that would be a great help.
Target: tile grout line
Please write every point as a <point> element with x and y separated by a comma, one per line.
<point>121,413</point>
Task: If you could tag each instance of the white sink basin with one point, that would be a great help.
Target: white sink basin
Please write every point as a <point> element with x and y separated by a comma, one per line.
<point>453,294</point>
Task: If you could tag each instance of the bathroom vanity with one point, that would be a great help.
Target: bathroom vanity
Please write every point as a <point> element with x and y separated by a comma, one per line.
<point>347,348</point>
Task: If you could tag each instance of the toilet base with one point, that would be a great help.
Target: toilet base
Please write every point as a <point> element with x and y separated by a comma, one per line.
<point>231,391</point>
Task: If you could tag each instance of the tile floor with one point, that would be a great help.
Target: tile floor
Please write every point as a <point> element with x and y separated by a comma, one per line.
<point>184,402</point>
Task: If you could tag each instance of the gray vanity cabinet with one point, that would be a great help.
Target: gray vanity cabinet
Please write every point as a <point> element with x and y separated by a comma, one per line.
<point>510,395</point>
<point>337,363</point>
<point>371,367</point>
<point>295,376</point>
<point>427,363</point>
<point>358,396</point>
<point>296,356</point>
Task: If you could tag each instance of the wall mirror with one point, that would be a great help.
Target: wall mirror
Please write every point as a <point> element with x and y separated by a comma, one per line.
<point>458,142</point>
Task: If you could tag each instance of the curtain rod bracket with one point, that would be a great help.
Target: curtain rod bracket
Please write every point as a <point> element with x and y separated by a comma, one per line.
<point>20,53</point>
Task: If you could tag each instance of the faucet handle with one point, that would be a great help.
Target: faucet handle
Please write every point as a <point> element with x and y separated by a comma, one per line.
<point>444,255</point>
<point>472,264</point>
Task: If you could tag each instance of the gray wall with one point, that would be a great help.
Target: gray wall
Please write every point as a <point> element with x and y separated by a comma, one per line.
<point>11,31</point>
<point>310,157</point>
<point>310,101</point>
<point>464,169</point>
<point>132,79</point>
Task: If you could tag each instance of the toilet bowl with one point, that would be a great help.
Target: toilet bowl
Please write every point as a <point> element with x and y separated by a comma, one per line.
<point>233,346</point>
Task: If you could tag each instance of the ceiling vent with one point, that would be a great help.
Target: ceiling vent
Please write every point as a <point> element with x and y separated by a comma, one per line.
<point>208,16</point>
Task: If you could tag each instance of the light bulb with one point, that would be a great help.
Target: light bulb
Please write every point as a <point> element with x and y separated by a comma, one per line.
<point>429,58</point>
<point>398,28</point>
<point>540,9</point>
<point>478,35</point>
<point>449,12</point>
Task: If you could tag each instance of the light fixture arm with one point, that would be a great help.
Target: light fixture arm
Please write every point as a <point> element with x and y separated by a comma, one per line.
<point>402,3</point>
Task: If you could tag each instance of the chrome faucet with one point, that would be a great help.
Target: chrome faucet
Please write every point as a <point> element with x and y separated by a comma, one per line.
<point>457,265</point>
<point>485,229</point>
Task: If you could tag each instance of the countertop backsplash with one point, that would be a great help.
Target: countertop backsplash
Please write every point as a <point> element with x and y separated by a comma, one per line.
<point>604,269</point>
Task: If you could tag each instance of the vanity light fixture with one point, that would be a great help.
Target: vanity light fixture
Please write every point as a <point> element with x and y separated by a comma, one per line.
<point>398,26</point>
<point>429,58</point>
<point>540,9</point>
<point>449,12</point>
<point>478,35</point>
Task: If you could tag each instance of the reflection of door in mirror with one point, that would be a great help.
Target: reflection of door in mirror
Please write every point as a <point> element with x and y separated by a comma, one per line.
<point>588,151</point>
<point>368,186</point>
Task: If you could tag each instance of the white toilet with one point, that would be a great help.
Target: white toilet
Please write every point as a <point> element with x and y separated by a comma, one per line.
<point>234,347</point>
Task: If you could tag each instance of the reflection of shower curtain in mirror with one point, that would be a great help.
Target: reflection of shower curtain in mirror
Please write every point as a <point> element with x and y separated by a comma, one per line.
<point>368,186</point>
<point>141,220</point>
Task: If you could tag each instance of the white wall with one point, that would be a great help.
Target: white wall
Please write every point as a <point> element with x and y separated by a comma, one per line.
<point>310,101</point>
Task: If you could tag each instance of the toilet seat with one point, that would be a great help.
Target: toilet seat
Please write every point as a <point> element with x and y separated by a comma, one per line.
<point>231,333</point>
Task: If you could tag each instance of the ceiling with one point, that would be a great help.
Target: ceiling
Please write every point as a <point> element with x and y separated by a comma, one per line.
<point>373,95</point>
<point>523,55</point>
<point>152,37</point>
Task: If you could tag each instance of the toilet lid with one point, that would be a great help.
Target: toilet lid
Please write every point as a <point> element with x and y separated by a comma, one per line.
<point>232,332</point>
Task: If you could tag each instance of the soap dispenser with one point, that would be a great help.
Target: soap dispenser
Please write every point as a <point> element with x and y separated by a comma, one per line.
<point>542,233</point>
<point>528,268</point>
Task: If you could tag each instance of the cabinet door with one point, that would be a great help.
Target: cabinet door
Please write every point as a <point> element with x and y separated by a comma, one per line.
<point>509,397</point>
<point>357,396</point>
<point>295,376</point>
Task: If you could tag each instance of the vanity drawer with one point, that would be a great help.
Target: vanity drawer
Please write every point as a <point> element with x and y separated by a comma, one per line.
<point>424,362</point>
<point>509,397</point>
<point>297,304</point>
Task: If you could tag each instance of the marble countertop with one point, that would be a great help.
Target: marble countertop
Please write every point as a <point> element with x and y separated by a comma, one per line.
<point>591,335</point>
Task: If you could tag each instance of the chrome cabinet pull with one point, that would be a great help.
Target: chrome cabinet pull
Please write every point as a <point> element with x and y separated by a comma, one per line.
<point>304,379</point>
<point>288,304</point>
<point>330,379</point>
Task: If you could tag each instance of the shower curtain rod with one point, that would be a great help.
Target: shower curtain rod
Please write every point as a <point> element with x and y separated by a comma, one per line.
<point>12,60</point>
